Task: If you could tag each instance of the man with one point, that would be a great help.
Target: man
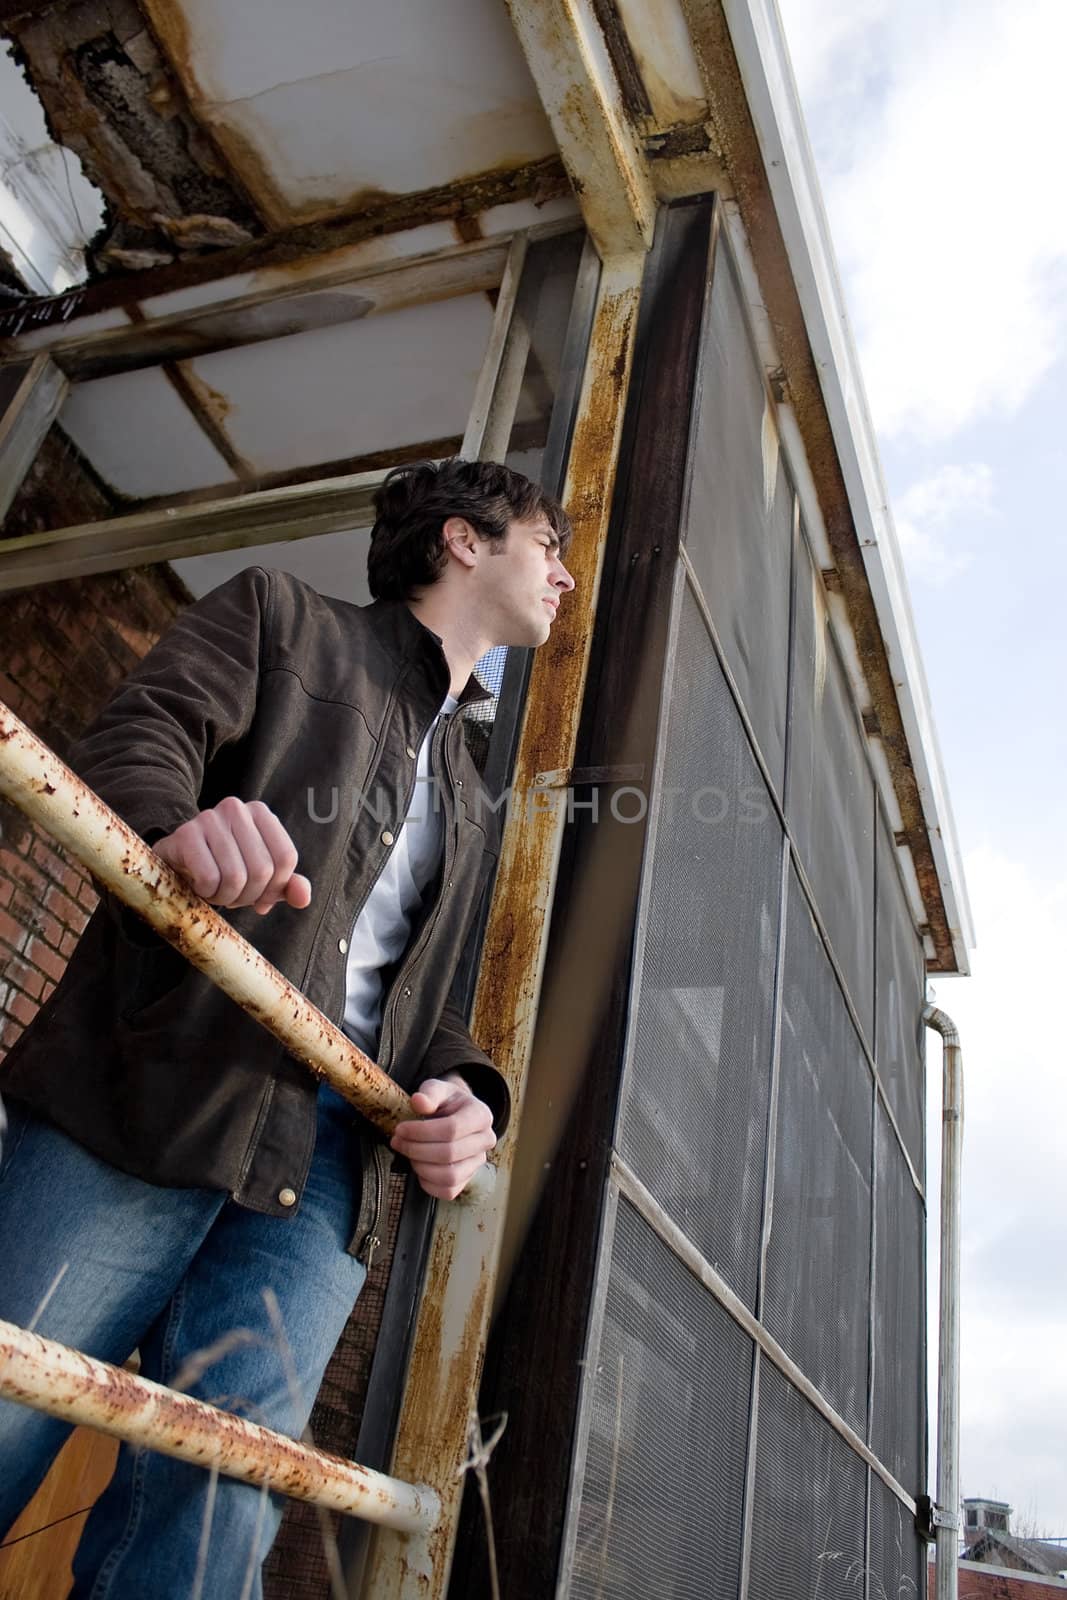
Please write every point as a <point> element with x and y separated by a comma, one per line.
<point>169,1169</point>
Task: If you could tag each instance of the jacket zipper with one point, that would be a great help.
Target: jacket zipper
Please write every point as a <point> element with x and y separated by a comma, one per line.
<point>372,1240</point>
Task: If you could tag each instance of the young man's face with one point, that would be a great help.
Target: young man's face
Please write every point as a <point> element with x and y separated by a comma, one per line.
<point>521,582</point>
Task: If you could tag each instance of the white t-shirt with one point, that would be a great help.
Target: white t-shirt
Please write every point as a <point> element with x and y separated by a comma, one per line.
<point>383,927</point>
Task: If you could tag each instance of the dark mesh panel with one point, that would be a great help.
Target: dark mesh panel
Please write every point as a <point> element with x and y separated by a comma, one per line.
<point>740,517</point>
<point>818,1261</point>
<point>901,988</point>
<point>661,1496</point>
<point>897,1556</point>
<point>693,1125</point>
<point>898,1412</point>
<point>809,1502</point>
<point>830,793</point>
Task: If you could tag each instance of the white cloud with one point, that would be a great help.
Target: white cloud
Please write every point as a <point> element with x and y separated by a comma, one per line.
<point>944,197</point>
<point>929,514</point>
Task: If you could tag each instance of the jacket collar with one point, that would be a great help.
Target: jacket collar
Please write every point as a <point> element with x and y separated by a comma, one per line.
<point>404,636</point>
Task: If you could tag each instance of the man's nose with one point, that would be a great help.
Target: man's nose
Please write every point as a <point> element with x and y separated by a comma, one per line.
<point>562,578</point>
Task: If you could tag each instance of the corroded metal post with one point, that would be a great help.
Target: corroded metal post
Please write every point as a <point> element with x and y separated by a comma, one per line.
<point>454,1313</point>
<point>35,780</point>
<point>76,1388</point>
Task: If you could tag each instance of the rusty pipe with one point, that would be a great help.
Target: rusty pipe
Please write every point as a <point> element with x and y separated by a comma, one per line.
<point>49,793</point>
<point>947,1505</point>
<point>76,1388</point>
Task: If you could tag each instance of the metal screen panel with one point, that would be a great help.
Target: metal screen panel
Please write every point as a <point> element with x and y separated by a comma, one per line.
<point>809,1502</point>
<point>817,1291</point>
<point>830,791</point>
<point>662,1490</point>
<point>740,517</point>
<point>897,1556</point>
<point>898,1399</point>
<point>900,980</point>
<point>694,1114</point>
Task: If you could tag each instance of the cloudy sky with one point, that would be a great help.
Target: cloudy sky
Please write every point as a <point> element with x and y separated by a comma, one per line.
<point>937,130</point>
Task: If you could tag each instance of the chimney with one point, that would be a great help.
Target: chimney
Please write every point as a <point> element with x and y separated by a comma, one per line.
<point>980,1515</point>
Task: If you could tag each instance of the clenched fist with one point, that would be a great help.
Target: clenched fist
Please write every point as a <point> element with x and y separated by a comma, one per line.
<point>451,1140</point>
<point>237,854</point>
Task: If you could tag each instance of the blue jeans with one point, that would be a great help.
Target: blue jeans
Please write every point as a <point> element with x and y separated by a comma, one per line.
<point>172,1272</point>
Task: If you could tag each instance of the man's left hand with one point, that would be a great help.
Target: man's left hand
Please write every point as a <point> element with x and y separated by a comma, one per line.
<point>452,1138</point>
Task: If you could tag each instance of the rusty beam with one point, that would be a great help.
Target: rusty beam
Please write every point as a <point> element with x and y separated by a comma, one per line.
<point>454,1314</point>
<point>571,64</point>
<point>77,1388</point>
<point>327,293</point>
<point>33,408</point>
<point>293,248</point>
<point>328,505</point>
<point>739,150</point>
<point>35,780</point>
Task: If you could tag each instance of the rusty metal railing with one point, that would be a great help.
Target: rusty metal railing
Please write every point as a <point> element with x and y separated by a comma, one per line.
<point>68,1384</point>
<point>49,793</point>
<point>76,1388</point>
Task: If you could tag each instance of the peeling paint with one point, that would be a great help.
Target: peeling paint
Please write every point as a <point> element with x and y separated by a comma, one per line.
<point>454,1311</point>
<point>35,780</point>
<point>77,1388</point>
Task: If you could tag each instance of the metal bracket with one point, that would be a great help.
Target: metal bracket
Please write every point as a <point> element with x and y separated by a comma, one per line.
<point>929,1517</point>
<point>563,777</point>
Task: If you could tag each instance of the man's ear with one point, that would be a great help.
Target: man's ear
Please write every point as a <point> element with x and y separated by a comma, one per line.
<point>461,541</point>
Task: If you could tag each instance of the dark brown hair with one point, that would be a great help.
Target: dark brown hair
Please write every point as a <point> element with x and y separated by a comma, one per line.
<point>407,545</point>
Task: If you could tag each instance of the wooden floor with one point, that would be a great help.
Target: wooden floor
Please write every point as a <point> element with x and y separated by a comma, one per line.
<point>38,1567</point>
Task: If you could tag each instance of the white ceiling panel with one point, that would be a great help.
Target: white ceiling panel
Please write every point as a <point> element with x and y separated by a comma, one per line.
<point>322,104</point>
<point>333,563</point>
<point>139,436</point>
<point>376,384</point>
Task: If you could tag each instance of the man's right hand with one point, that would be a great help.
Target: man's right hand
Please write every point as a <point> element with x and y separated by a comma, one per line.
<point>237,854</point>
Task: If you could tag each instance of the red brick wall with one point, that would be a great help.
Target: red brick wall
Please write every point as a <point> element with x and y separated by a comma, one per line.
<point>974,1584</point>
<point>63,649</point>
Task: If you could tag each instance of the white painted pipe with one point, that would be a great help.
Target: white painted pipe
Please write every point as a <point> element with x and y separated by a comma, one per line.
<point>947,1502</point>
<point>76,1388</point>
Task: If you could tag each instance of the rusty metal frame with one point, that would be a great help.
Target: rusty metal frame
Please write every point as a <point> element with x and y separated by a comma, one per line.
<point>77,1388</point>
<point>35,780</point>
<point>454,1314</point>
<point>283,304</point>
<point>385,1385</point>
<point>33,408</point>
<point>299,511</point>
<point>571,65</point>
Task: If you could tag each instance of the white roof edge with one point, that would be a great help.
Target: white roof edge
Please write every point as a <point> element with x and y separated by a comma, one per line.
<point>763,59</point>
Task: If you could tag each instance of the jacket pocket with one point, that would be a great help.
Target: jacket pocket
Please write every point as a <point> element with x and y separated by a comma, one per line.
<point>156,975</point>
<point>370,1223</point>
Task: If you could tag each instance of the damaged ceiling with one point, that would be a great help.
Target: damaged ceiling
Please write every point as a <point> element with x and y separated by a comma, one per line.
<point>307,216</point>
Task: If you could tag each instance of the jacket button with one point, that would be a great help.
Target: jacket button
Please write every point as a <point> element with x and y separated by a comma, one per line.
<point>287,1197</point>
<point>387,837</point>
<point>342,945</point>
<point>407,994</point>
<point>414,754</point>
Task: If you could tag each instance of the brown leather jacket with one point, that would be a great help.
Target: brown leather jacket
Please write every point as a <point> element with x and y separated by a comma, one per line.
<point>268,691</point>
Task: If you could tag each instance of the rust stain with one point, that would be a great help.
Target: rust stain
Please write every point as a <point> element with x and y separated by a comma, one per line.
<point>194,928</point>
<point>446,1364</point>
<point>42,1373</point>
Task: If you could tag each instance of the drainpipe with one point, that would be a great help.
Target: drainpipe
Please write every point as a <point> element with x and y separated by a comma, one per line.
<point>946,1515</point>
